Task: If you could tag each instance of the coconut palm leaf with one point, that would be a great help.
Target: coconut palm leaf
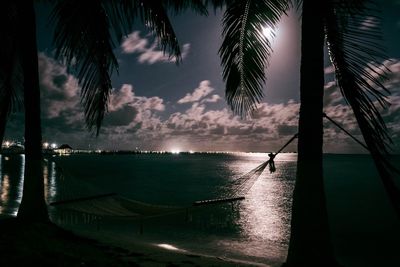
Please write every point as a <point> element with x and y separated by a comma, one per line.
<point>245,50</point>
<point>217,3</point>
<point>353,42</point>
<point>152,14</point>
<point>353,36</point>
<point>87,43</point>
<point>182,5</point>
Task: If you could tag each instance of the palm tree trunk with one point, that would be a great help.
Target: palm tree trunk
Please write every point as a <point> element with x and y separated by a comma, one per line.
<point>33,206</point>
<point>3,119</point>
<point>310,240</point>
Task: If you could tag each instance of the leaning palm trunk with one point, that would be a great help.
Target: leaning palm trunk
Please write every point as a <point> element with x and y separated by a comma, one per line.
<point>33,206</point>
<point>310,241</point>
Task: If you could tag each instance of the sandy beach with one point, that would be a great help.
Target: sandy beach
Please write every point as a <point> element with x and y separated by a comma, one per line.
<point>150,254</point>
<point>23,244</point>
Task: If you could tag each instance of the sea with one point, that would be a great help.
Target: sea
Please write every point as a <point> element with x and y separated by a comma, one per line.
<point>365,230</point>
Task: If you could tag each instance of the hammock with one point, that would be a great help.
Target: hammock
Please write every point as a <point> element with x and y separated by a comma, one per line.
<point>114,205</point>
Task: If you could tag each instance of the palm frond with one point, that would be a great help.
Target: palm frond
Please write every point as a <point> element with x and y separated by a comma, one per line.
<point>86,33</point>
<point>83,39</point>
<point>353,36</point>
<point>153,15</point>
<point>297,4</point>
<point>181,5</point>
<point>217,3</point>
<point>245,50</point>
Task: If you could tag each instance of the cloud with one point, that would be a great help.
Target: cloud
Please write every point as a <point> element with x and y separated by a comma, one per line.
<point>123,116</point>
<point>59,91</point>
<point>121,97</point>
<point>329,70</point>
<point>221,130</point>
<point>150,54</point>
<point>134,43</point>
<point>212,99</point>
<point>142,121</point>
<point>198,126</point>
<point>200,92</point>
<point>61,112</point>
<point>332,95</point>
<point>139,121</point>
<point>129,113</point>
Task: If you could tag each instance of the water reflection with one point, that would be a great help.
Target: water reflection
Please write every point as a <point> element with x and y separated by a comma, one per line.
<point>170,247</point>
<point>258,227</point>
<point>264,214</point>
<point>11,176</point>
<point>12,169</point>
<point>50,184</point>
<point>268,203</point>
<point>5,187</point>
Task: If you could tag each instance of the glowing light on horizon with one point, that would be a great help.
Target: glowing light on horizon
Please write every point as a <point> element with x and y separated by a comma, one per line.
<point>175,151</point>
<point>54,145</point>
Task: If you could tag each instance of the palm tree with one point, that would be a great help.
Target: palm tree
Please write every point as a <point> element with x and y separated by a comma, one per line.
<point>18,72</point>
<point>9,73</point>
<point>354,52</point>
<point>84,41</point>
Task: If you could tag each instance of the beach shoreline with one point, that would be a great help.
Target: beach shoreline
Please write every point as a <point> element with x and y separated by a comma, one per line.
<point>51,245</point>
<point>151,254</point>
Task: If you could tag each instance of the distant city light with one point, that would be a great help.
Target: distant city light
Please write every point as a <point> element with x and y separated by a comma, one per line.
<point>46,145</point>
<point>175,151</point>
<point>191,151</point>
<point>53,145</point>
<point>7,143</point>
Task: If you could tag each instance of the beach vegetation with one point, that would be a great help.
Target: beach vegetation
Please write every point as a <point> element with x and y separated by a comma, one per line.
<point>356,54</point>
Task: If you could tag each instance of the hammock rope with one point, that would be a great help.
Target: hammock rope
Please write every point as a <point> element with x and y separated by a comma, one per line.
<point>246,182</point>
<point>345,131</point>
<point>252,176</point>
<point>115,205</point>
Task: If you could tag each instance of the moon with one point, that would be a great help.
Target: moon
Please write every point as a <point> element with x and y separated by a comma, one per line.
<point>268,32</point>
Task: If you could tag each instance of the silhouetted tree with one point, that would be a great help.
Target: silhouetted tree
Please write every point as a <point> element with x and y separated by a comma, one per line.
<point>10,72</point>
<point>86,33</point>
<point>355,53</point>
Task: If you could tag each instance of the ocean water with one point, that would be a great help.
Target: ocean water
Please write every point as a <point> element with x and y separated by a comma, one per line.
<point>365,230</point>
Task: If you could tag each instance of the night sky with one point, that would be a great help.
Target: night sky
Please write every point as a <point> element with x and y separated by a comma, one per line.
<point>158,105</point>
